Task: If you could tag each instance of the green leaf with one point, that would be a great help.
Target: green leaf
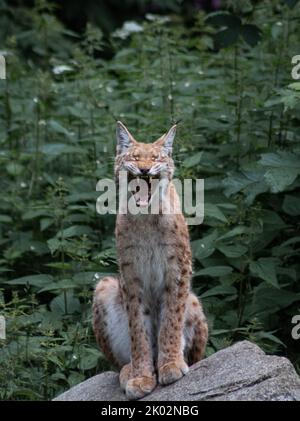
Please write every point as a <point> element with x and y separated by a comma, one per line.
<point>57,127</point>
<point>264,268</point>
<point>251,183</point>
<point>193,160</point>
<point>75,378</point>
<point>276,31</point>
<point>57,149</point>
<point>219,290</point>
<point>34,213</point>
<point>269,300</point>
<point>46,223</point>
<point>251,34</point>
<point>212,211</point>
<point>89,278</point>
<point>291,205</point>
<point>59,265</point>
<point>204,247</point>
<point>33,280</point>
<point>273,101</point>
<point>234,232</point>
<point>280,178</point>
<point>3,270</point>
<point>270,337</point>
<point>214,271</point>
<point>295,86</point>
<point>63,284</point>
<point>89,359</point>
<point>74,230</point>
<point>235,182</point>
<point>15,169</point>
<point>226,37</point>
<point>233,251</point>
<point>280,160</point>
<point>4,219</point>
<point>223,18</point>
<point>293,240</point>
<point>58,304</point>
<point>54,244</point>
<point>271,220</point>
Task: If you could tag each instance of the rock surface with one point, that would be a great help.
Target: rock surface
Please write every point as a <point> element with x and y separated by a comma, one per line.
<point>240,372</point>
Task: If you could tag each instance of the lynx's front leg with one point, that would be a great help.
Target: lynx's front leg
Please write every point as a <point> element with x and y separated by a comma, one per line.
<point>141,378</point>
<point>171,363</point>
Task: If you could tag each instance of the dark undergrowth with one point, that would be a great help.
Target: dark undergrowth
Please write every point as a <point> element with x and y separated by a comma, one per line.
<point>227,77</point>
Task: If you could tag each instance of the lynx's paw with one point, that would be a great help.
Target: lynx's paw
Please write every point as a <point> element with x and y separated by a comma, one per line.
<point>125,376</point>
<point>139,387</point>
<point>172,371</point>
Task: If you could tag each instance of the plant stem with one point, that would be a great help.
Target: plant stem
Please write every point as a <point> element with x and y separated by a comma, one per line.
<point>36,168</point>
<point>238,108</point>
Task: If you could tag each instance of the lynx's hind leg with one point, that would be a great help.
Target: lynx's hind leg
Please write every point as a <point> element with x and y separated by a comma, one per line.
<point>195,332</point>
<point>110,322</point>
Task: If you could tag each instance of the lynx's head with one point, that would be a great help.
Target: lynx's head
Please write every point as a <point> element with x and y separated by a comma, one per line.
<point>144,161</point>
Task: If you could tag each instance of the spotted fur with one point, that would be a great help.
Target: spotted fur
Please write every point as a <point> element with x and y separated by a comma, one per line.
<point>147,322</point>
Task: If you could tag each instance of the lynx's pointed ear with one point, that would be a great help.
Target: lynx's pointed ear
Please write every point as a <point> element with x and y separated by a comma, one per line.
<point>124,138</point>
<point>167,140</point>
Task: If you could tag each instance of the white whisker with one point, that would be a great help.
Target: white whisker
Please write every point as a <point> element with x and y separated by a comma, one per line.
<point>129,166</point>
<point>157,168</point>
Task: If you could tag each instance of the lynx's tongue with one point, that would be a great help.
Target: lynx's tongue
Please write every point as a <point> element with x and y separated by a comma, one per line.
<point>143,194</point>
<point>143,198</point>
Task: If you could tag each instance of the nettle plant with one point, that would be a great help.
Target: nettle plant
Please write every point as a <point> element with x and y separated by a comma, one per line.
<point>239,130</point>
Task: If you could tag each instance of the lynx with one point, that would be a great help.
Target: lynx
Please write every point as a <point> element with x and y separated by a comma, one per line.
<point>147,322</point>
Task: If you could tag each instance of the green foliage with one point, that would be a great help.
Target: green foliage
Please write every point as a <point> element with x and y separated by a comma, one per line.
<point>239,131</point>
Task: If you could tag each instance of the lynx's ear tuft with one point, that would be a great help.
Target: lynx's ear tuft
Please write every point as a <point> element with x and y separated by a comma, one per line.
<point>124,138</point>
<point>167,140</point>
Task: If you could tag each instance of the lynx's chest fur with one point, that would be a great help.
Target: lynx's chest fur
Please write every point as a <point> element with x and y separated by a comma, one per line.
<point>145,245</point>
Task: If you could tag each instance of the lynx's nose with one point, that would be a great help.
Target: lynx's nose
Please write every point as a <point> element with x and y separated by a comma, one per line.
<point>144,171</point>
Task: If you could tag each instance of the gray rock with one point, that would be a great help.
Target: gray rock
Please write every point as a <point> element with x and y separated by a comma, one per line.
<point>240,372</point>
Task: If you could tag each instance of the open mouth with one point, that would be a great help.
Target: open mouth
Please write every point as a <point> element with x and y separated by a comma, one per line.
<point>142,188</point>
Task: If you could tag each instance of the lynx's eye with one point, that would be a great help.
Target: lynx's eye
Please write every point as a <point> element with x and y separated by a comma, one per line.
<point>136,157</point>
<point>154,157</point>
